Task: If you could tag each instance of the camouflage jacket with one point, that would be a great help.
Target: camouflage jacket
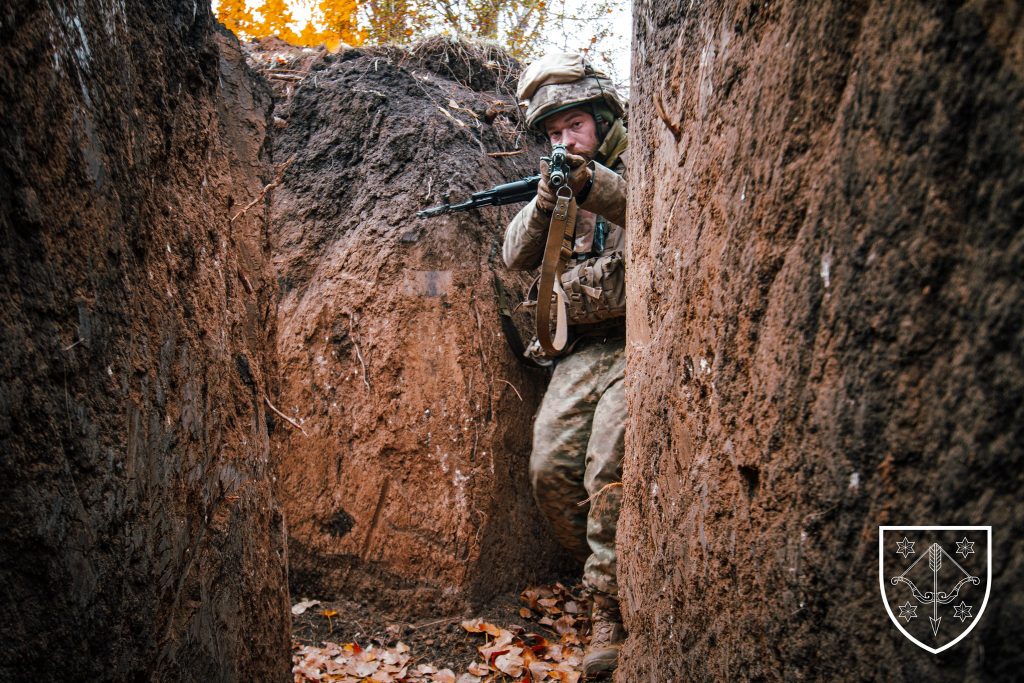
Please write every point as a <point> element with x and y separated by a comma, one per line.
<point>594,279</point>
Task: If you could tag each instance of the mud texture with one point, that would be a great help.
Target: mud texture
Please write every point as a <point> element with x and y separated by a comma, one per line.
<point>140,540</point>
<point>825,324</point>
<point>407,484</point>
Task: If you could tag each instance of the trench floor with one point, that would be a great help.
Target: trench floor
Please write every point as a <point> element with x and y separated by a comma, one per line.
<point>535,636</point>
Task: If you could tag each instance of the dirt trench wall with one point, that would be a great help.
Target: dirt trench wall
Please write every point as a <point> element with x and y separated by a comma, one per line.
<point>140,540</point>
<point>408,484</point>
<point>825,324</point>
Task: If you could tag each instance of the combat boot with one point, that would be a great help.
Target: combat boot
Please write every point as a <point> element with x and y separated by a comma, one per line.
<point>606,636</point>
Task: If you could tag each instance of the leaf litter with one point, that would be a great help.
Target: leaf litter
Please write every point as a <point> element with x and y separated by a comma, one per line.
<point>549,648</point>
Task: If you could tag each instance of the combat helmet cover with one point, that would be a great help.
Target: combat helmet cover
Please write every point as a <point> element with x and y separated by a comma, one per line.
<point>561,80</point>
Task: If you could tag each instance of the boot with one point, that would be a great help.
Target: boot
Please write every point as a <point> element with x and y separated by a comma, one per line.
<point>606,636</point>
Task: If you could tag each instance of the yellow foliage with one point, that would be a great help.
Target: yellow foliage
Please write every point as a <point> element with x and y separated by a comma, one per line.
<point>339,20</point>
<point>334,22</point>
<point>517,25</point>
<point>276,19</point>
<point>235,15</point>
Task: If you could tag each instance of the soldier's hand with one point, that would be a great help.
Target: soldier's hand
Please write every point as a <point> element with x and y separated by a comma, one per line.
<point>545,195</point>
<point>580,173</point>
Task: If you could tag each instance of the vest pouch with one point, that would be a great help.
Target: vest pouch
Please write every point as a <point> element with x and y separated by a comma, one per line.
<point>596,289</point>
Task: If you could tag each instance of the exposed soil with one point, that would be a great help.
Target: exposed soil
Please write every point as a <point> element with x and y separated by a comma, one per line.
<point>408,480</point>
<point>140,536</point>
<point>825,325</point>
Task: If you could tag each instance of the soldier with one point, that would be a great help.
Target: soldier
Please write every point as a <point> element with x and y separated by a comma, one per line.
<point>578,432</point>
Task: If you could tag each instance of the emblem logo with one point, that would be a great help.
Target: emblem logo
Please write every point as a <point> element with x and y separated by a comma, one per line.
<point>938,578</point>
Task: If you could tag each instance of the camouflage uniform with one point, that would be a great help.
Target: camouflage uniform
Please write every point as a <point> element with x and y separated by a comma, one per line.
<point>579,429</point>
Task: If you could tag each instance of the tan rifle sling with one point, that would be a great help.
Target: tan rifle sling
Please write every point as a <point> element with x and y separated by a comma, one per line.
<point>557,251</point>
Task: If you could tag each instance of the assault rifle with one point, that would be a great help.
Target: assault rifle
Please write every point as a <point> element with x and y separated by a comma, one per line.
<point>522,190</point>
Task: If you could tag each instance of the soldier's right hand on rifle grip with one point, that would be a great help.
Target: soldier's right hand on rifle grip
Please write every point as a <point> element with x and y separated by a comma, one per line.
<point>545,195</point>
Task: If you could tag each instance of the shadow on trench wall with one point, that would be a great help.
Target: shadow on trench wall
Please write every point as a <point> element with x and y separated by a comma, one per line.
<point>141,540</point>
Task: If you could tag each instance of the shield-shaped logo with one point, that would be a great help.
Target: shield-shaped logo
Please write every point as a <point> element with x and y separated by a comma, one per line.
<point>937,579</point>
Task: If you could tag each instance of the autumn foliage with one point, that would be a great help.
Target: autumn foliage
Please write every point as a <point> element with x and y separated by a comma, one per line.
<point>523,28</point>
<point>515,24</point>
<point>334,22</point>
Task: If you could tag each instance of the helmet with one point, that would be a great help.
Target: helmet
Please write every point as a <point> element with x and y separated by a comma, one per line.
<point>562,80</point>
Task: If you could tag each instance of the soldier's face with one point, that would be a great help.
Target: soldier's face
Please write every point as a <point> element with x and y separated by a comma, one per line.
<point>574,128</point>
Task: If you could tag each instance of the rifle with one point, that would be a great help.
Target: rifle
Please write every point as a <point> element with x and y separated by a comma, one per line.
<point>522,190</point>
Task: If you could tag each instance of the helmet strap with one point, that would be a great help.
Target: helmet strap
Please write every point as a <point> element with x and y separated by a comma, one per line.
<point>602,126</point>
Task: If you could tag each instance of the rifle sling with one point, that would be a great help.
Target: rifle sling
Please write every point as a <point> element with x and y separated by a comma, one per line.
<point>557,250</point>
<point>508,326</point>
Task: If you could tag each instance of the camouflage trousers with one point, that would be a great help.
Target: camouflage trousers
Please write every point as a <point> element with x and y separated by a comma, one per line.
<point>577,452</point>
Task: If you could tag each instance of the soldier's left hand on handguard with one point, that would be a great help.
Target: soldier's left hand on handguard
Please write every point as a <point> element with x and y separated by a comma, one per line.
<point>545,195</point>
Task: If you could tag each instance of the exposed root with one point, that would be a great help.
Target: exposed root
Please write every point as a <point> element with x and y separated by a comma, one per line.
<point>513,387</point>
<point>598,494</point>
<point>287,419</point>
<point>269,186</point>
<point>676,129</point>
<point>359,354</point>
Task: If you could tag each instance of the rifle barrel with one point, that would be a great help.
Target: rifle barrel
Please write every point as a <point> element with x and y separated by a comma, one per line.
<point>522,190</point>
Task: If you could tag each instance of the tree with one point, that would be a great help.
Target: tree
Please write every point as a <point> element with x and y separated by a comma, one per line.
<point>275,20</point>
<point>525,28</point>
<point>334,22</point>
<point>236,17</point>
<point>515,24</point>
<point>340,21</point>
<point>392,21</point>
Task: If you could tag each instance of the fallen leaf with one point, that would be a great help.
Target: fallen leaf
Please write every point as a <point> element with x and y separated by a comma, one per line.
<point>473,625</point>
<point>478,669</point>
<point>537,643</point>
<point>444,676</point>
<point>572,657</point>
<point>310,673</point>
<point>510,663</point>
<point>538,670</point>
<point>571,638</point>
<point>525,613</point>
<point>364,669</point>
<point>300,607</point>
<point>565,624</point>
<point>498,645</point>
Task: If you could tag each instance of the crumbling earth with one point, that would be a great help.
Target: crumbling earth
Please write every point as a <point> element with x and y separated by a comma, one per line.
<point>403,469</point>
